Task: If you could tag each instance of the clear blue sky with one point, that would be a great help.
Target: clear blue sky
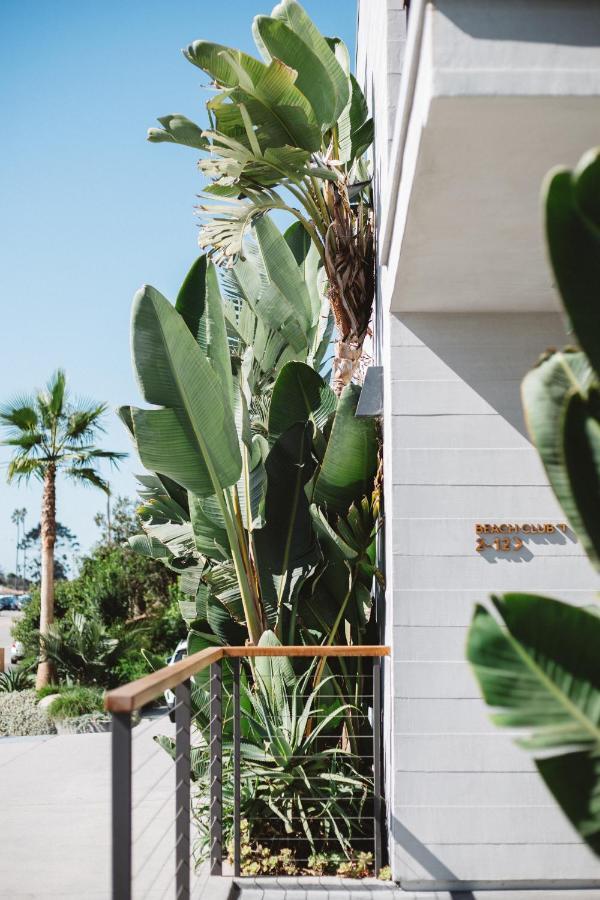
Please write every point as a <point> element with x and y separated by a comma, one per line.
<point>88,209</point>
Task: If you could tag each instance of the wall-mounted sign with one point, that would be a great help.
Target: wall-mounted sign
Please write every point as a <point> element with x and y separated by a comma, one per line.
<point>509,534</point>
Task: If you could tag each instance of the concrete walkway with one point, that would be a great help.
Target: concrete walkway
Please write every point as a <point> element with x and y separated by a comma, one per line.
<point>56,804</point>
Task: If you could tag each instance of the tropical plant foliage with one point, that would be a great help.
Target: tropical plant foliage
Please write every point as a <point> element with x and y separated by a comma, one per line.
<point>300,785</point>
<point>537,661</point>
<point>51,433</point>
<point>82,650</point>
<point>287,132</point>
<point>261,495</point>
<point>260,487</point>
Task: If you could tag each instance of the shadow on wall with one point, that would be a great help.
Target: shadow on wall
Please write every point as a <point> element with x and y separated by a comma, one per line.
<point>529,21</point>
<point>443,876</point>
<point>489,353</point>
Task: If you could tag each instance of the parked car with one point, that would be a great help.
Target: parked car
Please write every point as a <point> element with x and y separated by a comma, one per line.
<point>8,601</point>
<point>23,600</point>
<point>17,652</point>
<point>180,652</point>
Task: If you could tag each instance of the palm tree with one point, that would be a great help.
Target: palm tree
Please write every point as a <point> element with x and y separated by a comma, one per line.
<point>51,433</point>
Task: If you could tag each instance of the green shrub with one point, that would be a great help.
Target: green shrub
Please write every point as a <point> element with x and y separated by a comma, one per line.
<point>130,667</point>
<point>76,701</point>
<point>20,715</point>
<point>48,689</point>
<point>15,679</point>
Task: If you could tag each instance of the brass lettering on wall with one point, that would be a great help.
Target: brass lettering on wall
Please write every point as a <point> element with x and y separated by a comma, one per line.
<point>509,532</point>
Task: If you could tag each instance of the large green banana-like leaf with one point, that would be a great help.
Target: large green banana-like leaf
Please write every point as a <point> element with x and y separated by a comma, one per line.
<point>268,93</point>
<point>163,500</point>
<point>286,547</point>
<point>574,779</point>
<point>149,546</point>
<point>225,224</point>
<point>232,162</point>
<point>299,395</point>
<point>562,407</point>
<point>573,233</point>
<point>354,131</point>
<point>200,304</point>
<point>296,19</point>
<point>540,672</point>
<point>192,439</point>
<point>208,525</point>
<point>281,303</point>
<point>581,439</point>
<point>355,128</point>
<point>275,673</point>
<point>350,460</point>
<point>285,278</point>
<point>308,261</point>
<point>176,129</point>
<point>252,486</point>
<point>223,582</point>
<point>276,40</point>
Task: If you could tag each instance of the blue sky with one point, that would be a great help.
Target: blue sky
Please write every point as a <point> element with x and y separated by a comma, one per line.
<point>89,210</point>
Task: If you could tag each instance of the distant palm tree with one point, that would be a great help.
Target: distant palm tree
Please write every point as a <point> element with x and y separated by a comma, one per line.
<point>52,433</point>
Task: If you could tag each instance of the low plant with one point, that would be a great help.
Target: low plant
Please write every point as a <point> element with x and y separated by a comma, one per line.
<point>301,781</point>
<point>256,859</point>
<point>20,715</point>
<point>83,650</point>
<point>76,701</point>
<point>15,680</point>
<point>48,690</point>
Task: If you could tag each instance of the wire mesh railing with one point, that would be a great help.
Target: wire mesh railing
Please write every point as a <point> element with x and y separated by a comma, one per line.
<point>258,734</point>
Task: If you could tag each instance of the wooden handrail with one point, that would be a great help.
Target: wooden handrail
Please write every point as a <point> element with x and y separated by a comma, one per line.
<point>132,696</point>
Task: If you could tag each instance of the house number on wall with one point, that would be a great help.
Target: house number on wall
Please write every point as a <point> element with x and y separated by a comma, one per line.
<point>508,539</point>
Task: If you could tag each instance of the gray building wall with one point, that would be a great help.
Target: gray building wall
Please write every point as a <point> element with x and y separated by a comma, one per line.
<point>466,804</point>
<point>466,807</point>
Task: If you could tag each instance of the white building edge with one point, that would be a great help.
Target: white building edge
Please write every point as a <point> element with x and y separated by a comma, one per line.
<point>474,101</point>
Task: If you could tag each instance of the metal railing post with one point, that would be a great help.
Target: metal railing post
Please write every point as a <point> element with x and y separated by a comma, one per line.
<point>182,790</point>
<point>237,798</point>
<point>377,795</point>
<point>216,769</point>
<point>121,806</point>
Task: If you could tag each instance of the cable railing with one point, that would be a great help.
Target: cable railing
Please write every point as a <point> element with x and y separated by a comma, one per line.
<point>329,723</point>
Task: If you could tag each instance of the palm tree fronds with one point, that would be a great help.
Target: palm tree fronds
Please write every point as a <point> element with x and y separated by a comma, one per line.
<point>22,468</point>
<point>26,441</point>
<point>20,414</point>
<point>87,475</point>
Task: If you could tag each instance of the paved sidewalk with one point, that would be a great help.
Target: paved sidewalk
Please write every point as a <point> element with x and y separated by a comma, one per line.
<point>56,802</point>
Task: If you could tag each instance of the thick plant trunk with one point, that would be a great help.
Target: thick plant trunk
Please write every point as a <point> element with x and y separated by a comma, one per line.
<point>48,535</point>
<point>349,263</point>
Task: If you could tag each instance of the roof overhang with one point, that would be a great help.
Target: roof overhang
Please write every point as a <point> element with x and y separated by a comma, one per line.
<point>493,95</point>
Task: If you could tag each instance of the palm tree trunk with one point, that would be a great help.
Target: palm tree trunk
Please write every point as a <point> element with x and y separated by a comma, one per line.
<point>48,528</point>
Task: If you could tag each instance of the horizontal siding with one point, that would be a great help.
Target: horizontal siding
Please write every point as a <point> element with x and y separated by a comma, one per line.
<point>494,752</point>
<point>449,466</point>
<point>459,431</point>
<point>488,503</point>
<point>441,607</point>
<point>547,575</point>
<point>467,801</point>
<point>470,824</point>
<point>422,864</point>
<point>487,789</point>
